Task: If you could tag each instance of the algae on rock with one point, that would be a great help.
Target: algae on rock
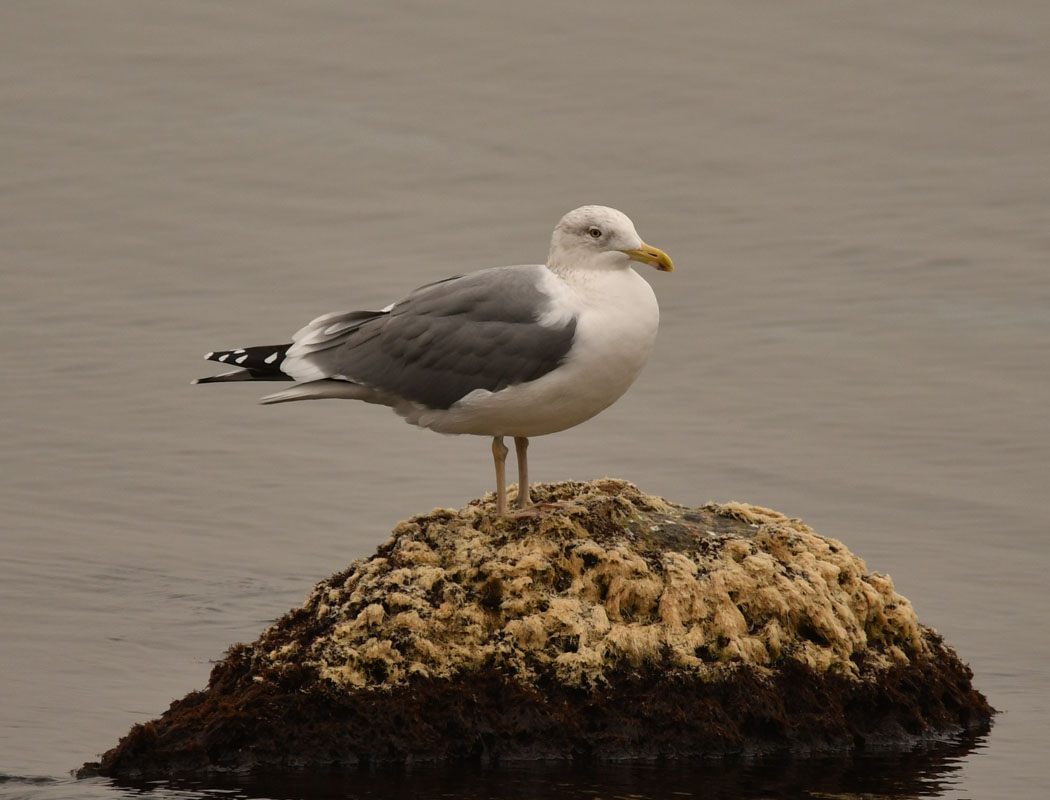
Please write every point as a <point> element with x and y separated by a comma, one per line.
<point>619,576</point>
<point>564,614</point>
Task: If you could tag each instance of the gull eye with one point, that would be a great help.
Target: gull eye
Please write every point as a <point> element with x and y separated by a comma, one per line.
<point>594,233</point>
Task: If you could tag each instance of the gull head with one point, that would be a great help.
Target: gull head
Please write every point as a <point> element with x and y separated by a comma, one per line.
<point>599,237</point>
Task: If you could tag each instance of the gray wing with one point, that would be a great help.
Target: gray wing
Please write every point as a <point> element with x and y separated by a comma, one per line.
<point>442,342</point>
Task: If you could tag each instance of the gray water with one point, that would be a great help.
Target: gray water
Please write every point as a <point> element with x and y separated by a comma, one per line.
<point>856,197</point>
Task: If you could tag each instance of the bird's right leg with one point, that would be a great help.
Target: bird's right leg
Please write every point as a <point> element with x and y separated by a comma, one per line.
<point>521,447</point>
<point>499,455</point>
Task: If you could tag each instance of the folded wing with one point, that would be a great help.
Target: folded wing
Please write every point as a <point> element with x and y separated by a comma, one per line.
<point>439,344</point>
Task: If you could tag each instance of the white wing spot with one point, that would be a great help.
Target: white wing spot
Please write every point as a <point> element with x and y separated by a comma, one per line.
<point>224,356</point>
<point>271,359</point>
<point>209,355</point>
<point>235,352</point>
<point>242,358</point>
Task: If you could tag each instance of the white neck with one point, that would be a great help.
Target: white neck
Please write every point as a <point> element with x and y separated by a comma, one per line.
<point>565,262</point>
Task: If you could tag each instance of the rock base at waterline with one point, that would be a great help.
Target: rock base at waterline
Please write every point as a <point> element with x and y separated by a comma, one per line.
<point>612,625</point>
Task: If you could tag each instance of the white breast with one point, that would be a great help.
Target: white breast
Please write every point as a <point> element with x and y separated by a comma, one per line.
<point>616,322</point>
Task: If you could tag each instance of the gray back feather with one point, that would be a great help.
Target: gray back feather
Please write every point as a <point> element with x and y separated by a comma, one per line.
<point>442,342</point>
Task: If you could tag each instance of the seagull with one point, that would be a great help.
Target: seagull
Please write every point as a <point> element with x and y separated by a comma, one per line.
<point>518,351</point>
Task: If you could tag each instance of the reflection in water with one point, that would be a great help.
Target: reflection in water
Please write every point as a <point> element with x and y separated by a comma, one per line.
<point>925,772</point>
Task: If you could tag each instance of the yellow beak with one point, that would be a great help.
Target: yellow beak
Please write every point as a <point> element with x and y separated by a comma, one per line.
<point>653,256</point>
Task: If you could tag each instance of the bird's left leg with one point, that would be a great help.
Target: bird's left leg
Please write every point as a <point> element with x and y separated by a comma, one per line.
<point>521,447</point>
<point>499,455</point>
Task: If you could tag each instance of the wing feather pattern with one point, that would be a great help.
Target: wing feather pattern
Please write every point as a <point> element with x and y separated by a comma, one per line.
<point>442,342</point>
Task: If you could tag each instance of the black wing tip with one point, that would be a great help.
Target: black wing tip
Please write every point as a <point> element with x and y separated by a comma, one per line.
<point>225,356</point>
<point>224,377</point>
<point>262,358</point>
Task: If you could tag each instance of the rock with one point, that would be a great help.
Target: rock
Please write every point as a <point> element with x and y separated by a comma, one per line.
<point>611,625</point>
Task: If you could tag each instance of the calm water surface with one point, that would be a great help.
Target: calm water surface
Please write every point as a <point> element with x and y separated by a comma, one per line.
<point>856,196</point>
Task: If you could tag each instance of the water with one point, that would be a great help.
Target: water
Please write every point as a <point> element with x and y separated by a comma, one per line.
<point>857,334</point>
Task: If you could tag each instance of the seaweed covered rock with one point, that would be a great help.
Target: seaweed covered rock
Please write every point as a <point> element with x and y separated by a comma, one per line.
<point>609,624</point>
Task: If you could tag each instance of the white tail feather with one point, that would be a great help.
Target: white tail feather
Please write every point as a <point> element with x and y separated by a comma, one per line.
<point>320,390</point>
